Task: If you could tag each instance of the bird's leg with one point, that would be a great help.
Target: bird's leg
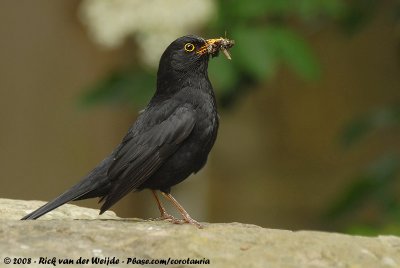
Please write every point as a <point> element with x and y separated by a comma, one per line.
<point>185,215</point>
<point>164,213</point>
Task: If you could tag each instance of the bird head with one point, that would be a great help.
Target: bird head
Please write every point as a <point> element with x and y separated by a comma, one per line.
<point>186,58</point>
<point>192,53</point>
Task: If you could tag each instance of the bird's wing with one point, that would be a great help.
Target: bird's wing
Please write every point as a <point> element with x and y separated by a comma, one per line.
<point>142,154</point>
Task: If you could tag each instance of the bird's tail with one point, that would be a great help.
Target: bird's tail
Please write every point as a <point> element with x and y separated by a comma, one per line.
<point>95,184</point>
<point>71,194</point>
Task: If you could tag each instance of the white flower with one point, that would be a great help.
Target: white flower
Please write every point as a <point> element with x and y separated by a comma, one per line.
<point>153,23</point>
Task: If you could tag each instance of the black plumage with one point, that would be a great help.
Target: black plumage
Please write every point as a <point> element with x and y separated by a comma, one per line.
<point>170,139</point>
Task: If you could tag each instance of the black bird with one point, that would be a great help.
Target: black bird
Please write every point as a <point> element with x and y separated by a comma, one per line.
<point>169,141</point>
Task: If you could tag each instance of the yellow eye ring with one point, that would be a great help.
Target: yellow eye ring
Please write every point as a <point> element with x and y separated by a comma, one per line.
<point>189,47</point>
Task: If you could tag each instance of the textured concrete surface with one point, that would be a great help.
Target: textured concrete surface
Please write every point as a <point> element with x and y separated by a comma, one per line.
<point>112,239</point>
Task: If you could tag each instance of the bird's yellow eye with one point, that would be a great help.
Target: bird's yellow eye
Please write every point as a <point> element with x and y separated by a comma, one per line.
<point>189,47</point>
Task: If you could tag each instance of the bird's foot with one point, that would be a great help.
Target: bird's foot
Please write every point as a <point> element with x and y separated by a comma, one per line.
<point>189,220</point>
<point>166,217</point>
<point>172,219</point>
<point>186,221</point>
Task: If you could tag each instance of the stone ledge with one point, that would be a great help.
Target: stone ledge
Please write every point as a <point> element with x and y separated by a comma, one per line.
<point>224,244</point>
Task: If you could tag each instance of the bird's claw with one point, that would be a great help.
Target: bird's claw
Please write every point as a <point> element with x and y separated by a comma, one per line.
<point>166,217</point>
<point>188,221</point>
<point>193,222</point>
<point>169,218</point>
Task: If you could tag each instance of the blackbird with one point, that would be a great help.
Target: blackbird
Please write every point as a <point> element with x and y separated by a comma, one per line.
<point>169,141</point>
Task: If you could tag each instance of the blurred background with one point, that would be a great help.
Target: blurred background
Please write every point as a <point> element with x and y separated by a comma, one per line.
<point>309,105</point>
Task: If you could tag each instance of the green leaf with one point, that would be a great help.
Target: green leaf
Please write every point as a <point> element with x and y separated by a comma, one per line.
<point>296,53</point>
<point>356,130</point>
<point>259,50</point>
<point>305,9</point>
<point>375,183</point>
<point>358,14</point>
<point>255,52</point>
<point>129,86</point>
<point>256,8</point>
<point>311,9</point>
<point>353,197</point>
<point>223,74</point>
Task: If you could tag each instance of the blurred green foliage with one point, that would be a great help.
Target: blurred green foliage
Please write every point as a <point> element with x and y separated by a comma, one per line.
<point>370,204</point>
<point>268,35</point>
<point>380,119</point>
<point>266,40</point>
<point>128,85</point>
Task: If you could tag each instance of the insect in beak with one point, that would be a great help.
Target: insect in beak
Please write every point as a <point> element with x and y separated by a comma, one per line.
<point>213,46</point>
